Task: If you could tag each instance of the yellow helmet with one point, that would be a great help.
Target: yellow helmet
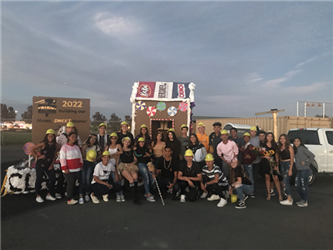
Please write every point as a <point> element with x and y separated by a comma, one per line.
<point>114,135</point>
<point>141,139</point>
<point>50,131</point>
<point>233,198</point>
<point>209,157</point>
<point>69,125</point>
<point>201,124</point>
<point>91,155</point>
<point>144,126</point>
<point>126,138</point>
<point>253,128</point>
<point>189,152</point>
<point>246,134</point>
<point>183,126</point>
<point>102,124</point>
<point>124,123</point>
<point>171,130</point>
<point>106,153</point>
<point>224,132</point>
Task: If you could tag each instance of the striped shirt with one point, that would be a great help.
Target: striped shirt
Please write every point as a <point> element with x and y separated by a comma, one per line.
<point>70,158</point>
<point>223,181</point>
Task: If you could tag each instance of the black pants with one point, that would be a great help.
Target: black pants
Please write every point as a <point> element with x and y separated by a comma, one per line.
<point>71,179</point>
<point>215,188</point>
<point>192,194</point>
<point>163,184</point>
<point>101,189</point>
<point>256,169</point>
<point>40,169</point>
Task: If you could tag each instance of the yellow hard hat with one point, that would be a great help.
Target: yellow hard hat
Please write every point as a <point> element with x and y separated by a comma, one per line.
<point>171,129</point>
<point>126,138</point>
<point>141,139</point>
<point>69,125</point>
<point>209,157</point>
<point>114,135</point>
<point>91,155</point>
<point>50,131</point>
<point>189,152</point>
<point>124,123</point>
<point>201,124</point>
<point>144,126</point>
<point>183,126</point>
<point>106,153</point>
<point>233,198</point>
<point>246,134</point>
<point>224,132</point>
<point>253,128</point>
<point>102,124</point>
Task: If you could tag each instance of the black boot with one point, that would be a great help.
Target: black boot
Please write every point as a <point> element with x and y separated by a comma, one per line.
<point>134,195</point>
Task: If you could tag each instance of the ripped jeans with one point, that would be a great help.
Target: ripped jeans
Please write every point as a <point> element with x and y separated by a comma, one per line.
<point>146,176</point>
<point>302,182</point>
<point>285,166</point>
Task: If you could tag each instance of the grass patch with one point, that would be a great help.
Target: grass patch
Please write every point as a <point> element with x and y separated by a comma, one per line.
<point>15,138</point>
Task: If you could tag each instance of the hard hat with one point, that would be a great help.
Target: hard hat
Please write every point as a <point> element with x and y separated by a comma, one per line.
<point>201,124</point>
<point>124,123</point>
<point>113,135</point>
<point>224,132</point>
<point>69,125</point>
<point>50,131</point>
<point>233,198</point>
<point>102,124</point>
<point>246,134</point>
<point>171,129</point>
<point>183,126</point>
<point>209,157</point>
<point>126,138</point>
<point>106,153</point>
<point>141,139</point>
<point>144,126</point>
<point>189,152</point>
<point>253,128</point>
<point>91,155</point>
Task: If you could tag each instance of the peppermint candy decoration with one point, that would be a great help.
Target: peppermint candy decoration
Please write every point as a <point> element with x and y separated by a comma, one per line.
<point>183,106</point>
<point>27,148</point>
<point>140,105</point>
<point>161,106</point>
<point>172,111</point>
<point>151,111</point>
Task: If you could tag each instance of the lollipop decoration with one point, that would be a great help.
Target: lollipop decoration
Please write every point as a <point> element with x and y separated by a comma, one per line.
<point>183,106</point>
<point>172,111</point>
<point>140,105</point>
<point>151,111</point>
<point>161,106</point>
<point>27,150</point>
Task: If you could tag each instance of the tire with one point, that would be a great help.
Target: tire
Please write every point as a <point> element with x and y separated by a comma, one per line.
<point>312,175</point>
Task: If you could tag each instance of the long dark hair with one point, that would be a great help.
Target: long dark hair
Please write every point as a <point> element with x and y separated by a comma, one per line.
<point>147,134</point>
<point>173,136</point>
<point>287,144</point>
<point>88,140</point>
<point>302,144</point>
<point>196,139</point>
<point>155,139</point>
<point>274,144</point>
<point>46,141</point>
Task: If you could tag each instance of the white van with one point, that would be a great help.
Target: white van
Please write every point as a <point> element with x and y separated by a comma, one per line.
<point>241,128</point>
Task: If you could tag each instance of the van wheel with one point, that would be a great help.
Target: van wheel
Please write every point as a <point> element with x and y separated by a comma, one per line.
<point>312,175</point>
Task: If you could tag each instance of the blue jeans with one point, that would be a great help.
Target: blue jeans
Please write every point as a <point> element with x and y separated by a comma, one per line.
<point>146,176</point>
<point>302,182</point>
<point>249,171</point>
<point>285,166</point>
<point>86,178</point>
<point>244,189</point>
<point>113,175</point>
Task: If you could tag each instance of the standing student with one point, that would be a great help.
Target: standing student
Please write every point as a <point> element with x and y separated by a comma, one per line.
<point>238,140</point>
<point>213,182</point>
<point>227,150</point>
<point>124,133</point>
<point>71,164</point>
<point>184,142</point>
<point>198,149</point>
<point>214,140</point>
<point>102,137</point>
<point>254,140</point>
<point>63,138</point>
<point>143,134</point>
<point>262,137</point>
<point>173,143</point>
<point>102,183</point>
<point>44,163</point>
<point>286,158</point>
<point>157,148</point>
<point>202,136</point>
<point>248,156</point>
<point>189,177</point>
<point>303,159</point>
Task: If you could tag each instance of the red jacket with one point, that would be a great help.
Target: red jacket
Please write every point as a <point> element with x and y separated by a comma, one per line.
<point>248,151</point>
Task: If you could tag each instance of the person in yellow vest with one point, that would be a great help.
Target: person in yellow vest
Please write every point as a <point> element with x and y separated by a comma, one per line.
<point>202,136</point>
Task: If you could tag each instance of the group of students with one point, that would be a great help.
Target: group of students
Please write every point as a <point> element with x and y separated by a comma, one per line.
<point>187,167</point>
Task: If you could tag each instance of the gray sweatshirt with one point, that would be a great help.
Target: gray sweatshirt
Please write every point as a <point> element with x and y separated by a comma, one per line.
<point>303,154</point>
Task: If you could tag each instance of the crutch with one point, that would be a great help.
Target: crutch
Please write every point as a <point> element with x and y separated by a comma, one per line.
<point>151,169</point>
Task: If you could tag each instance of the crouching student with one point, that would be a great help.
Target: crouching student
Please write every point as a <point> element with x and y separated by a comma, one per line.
<point>240,183</point>
<point>189,176</point>
<point>214,182</point>
<point>167,173</point>
<point>102,183</point>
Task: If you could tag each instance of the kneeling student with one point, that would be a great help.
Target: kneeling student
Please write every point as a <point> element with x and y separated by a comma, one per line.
<point>102,183</point>
<point>214,182</point>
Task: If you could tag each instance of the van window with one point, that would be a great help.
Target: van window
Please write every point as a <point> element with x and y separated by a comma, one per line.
<point>227,127</point>
<point>329,135</point>
<point>307,136</point>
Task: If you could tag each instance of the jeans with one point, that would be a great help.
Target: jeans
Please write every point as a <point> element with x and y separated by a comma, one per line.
<point>87,172</point>
<point>302,182</point>
<point>113,175</point>
<point>285,166</point>
<point>249,171</point>
<point>40,169</point>
<point>244,189</point>
<point>146,176</point>
<point>71,179</point>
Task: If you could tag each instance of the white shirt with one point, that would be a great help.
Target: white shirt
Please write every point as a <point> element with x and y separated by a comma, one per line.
<point>103,172</point>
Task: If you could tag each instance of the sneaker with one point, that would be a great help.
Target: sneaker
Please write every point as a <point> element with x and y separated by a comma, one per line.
<point>204,195</point>
<point>122,198</point>
<point>58,196</point>
<point>213,197</point>
<point>303,204</point>
<point>169,191</point>
<point>71,202</point>
<point>86,198</point>
<point>94,199</point>
<point>252,196</point>
<point>240,205</point>
<point>105,197</point>
<point>300,202</point>
<point>81,201</point>
<point>118,199</point>
<point>39,199</point>
<point>272,192</point>
<point>182,198</point>
<point>151,198</point>
<point>222,203</point>
<point>286,202</point>
<point>50,198</point>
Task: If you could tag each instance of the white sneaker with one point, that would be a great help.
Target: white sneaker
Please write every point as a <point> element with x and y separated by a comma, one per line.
<point>50,198</point>
<point>122,198</point>
<point>286,202</point>
<point>169,191</point>
<point>303,204</point>
<point>118,199</point>
<point>105,197</point>
<point>39,199</point>
<point>182,198</point>
<point>222,203</point>
<point>58,196</point>
<point>204,195</point>
<point>213,197</point>
<point>81,201</point>
<point>71,202</point>
<point>94,199</point>
<point>86,198</point>
<point>226,194</point>
<point>151,198</point>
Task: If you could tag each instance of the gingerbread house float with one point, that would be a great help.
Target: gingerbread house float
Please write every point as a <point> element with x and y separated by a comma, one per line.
<point>161,106</point>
